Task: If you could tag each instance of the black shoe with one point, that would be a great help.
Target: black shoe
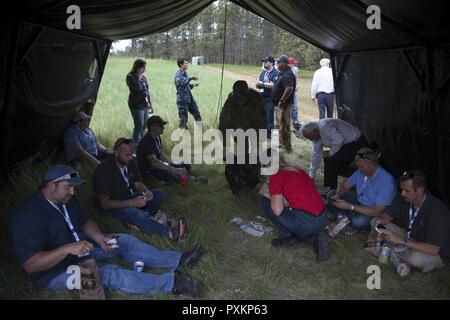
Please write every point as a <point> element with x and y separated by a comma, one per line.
<point>191,258</point>
<point>183,284</point>
<point>321,247</point>
<point>288,242</point>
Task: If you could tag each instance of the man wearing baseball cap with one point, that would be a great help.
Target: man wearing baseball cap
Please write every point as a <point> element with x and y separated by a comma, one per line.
<point>50,232</point>
<point>283,99</point>
<point>153,163</point>
<point>81,144</point>
<point>264,86</point>
<point>375,191</point>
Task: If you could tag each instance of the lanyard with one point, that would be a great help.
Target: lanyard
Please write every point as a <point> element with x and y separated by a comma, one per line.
<point>413,215</point>
<point>365,183</point>
<point>266,76</point>
<point>124,172</point>
<point>67,219</point>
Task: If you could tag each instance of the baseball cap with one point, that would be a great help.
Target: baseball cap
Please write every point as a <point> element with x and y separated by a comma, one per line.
<point>368,154</point>
<point>268,58</point>
<point>61,172</point>
<point>80,116</point>
<point>155,120</point>
<point>283,59</point>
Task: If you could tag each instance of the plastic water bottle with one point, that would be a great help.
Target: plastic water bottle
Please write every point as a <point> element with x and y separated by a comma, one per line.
<point>384,254</point>
<point>138,265</point>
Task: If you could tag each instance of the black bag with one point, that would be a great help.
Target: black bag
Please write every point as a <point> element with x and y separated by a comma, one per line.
<point>240,176</point>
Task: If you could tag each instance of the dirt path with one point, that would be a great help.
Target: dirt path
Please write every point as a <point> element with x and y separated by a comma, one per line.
<point>307,109</point>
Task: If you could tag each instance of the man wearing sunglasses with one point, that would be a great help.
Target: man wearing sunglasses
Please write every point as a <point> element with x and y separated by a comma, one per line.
<point>417,225</point>
<point>375,191</point>
<point>122,194</point>
<point>81,144</point>
<point>50,232</point>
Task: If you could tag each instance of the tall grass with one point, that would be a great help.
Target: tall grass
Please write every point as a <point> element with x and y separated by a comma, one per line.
<point>236,265</point>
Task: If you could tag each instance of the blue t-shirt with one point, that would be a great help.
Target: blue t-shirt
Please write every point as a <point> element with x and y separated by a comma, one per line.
<point>266,76</point>
<point>37,226</point>
<point>378,190</point>
<point>86,138</point>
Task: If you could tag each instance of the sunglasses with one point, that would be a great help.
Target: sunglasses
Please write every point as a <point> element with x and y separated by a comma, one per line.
<point>68,176</point>
<point>409,174</point>
<point>363,156</point>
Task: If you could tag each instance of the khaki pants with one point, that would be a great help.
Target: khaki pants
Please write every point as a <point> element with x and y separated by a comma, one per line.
<point>283,124</point>
<point>423,261</point>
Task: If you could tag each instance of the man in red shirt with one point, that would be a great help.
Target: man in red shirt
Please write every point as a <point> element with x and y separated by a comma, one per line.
<point>293,204</point>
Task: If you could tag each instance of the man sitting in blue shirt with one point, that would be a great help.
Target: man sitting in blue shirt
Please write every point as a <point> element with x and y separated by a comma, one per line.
<point>375,189</point>
<point>50,231</point>
<point>81,143</point>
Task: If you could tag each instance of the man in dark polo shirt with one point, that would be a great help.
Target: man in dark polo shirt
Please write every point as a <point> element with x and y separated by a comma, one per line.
<point>264,86</point>
<point>122,195</point>
<point>283,99</point>
<point>50,231</point>
<point>151,160</point>
<point>418,224</point>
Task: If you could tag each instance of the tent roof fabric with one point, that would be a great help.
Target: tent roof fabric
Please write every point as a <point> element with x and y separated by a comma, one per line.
<point>334,26</point>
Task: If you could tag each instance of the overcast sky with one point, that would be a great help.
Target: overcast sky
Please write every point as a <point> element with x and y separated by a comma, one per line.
<point>121,44</point>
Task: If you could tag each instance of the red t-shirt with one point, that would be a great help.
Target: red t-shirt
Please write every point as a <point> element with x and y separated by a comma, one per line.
<point>298,189</point>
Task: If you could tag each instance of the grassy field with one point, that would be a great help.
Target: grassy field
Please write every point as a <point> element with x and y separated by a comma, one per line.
<point>256,70</point>
<point>236,265</point>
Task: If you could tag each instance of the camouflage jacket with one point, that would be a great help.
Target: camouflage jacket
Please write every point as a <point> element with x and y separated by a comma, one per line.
<point>183,85</point>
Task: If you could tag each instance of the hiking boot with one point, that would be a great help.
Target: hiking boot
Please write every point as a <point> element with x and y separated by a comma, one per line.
<point>178,231</point>
<point>191,258</point>
<point>321,247</point>
<point>183,284</point>
<point>402,268</point>
<point>287,242</point>
<point>338,226</point>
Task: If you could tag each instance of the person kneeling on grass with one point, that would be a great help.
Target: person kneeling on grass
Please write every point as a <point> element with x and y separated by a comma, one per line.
<point>122,194</point>
<point>50,231</point>
<point>375,189</point>
<point>293,204</point>
<point>417,226</point>
<point>152,162</point>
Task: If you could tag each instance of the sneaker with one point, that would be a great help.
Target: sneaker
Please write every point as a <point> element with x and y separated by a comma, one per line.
<point>287,242</point>
<point>321,247</point>
<point>162,218</point>
<point>402,268</point>
<point>183,284</point>
<point>178,231</point>
<point>338,226</point>
<point>191,258</point>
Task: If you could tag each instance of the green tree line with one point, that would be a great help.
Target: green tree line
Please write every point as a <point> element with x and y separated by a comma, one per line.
<point>248,39</point>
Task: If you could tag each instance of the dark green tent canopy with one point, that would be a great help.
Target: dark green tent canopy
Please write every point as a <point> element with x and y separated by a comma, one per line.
<point>393,83</point>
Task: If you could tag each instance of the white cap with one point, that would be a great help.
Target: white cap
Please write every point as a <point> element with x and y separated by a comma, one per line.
<point>324,62</point>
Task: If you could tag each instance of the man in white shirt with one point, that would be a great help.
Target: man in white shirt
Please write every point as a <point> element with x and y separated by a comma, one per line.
<point>322,88</point>
<point>344,141</point>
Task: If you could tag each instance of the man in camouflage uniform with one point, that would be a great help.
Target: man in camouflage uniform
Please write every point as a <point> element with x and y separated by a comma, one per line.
<point>185,100</point>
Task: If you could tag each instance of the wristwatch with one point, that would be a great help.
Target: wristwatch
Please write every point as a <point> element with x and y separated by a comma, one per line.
<point>352,208</point>
<point>403,242</point>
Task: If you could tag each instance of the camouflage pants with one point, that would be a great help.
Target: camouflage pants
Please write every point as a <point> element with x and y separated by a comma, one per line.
<point>183,110</point>
<point>283,124</point>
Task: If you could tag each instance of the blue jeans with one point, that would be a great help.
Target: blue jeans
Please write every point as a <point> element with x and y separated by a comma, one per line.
<point>143,217</point>
<point>294,112</point>
<point>294,222</point>
<point>359,221</point>
<point>268,106</point>
<point>140,117</point>
<point>114,277</point>
<point>325,101</point>
<point>165,176</point>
